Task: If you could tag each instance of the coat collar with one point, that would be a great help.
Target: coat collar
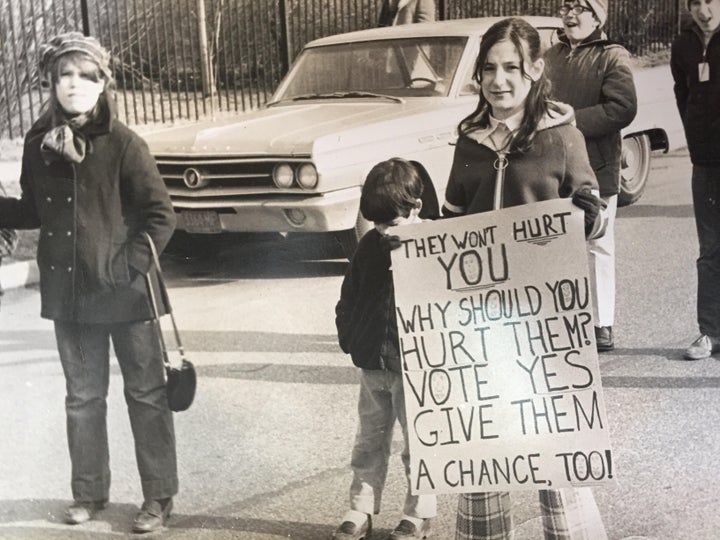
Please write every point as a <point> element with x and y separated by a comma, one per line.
<point>598,36</point>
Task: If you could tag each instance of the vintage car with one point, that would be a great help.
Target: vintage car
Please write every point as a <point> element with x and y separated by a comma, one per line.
<point>348,102</point>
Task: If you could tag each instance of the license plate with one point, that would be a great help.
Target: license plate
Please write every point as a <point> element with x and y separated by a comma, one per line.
<point>201,221</point>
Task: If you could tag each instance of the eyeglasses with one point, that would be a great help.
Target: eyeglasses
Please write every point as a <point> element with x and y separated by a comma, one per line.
<point>576,10</point>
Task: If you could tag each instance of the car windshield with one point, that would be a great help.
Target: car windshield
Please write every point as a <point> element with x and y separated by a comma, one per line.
<point>395,68</point>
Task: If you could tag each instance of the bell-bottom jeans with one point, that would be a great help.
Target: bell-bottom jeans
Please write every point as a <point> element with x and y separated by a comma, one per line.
<point>706,203</point>
<point>381,401</point>
<point>84,354</point>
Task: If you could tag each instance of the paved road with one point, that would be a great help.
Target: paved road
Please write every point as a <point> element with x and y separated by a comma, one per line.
<point>264,451</point>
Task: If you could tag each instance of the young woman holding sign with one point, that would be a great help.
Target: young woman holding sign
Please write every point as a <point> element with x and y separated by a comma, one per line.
<point>519,147</point>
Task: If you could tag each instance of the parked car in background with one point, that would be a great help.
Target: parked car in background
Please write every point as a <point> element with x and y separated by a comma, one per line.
<point>348,102</point>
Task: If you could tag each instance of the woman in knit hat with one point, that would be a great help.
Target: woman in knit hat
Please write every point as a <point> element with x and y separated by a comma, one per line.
<point>591,73</point>
<point>92,187</point>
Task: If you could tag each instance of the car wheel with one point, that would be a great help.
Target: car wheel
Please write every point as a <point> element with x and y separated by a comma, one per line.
<point>349,239</point>
<point>634,168</point>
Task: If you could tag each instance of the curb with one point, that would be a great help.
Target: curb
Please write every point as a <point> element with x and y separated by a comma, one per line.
<point>19,274</point>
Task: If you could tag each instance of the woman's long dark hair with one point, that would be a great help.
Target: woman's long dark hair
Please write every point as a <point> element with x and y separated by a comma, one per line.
<point>527,43</point>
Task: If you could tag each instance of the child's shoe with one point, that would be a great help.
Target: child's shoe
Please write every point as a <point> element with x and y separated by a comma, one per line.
<point>411,527</point>
<point>355,526</point>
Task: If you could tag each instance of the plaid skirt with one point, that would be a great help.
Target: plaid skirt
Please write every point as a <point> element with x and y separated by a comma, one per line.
<point>568,514</point>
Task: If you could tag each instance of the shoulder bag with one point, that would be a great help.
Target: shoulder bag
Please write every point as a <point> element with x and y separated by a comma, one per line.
<point>180,381</point>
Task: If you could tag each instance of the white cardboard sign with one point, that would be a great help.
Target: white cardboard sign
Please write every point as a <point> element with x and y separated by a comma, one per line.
<point>500,371</point>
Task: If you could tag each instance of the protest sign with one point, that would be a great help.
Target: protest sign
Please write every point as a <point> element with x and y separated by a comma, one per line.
<point>500,371</point>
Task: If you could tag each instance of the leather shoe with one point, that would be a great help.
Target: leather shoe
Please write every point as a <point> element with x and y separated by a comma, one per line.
<point>604,339</point>
<point>702,347</point>
<point>152,516</point>
<point>407,529</point>
<point>352,531</point>
<point>81,511</point>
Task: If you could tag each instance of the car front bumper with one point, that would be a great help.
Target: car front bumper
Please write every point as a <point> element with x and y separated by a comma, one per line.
<point>326,212</point>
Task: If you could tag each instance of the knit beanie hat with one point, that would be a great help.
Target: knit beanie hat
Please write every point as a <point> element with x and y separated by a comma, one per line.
<point>61,44</point>
<point>600,8</point>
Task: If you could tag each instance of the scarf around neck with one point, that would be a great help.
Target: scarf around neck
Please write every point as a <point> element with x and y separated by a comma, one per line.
<point>68,138</point>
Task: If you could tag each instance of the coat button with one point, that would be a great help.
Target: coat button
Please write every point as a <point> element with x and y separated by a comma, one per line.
<point>49,233</point>
<point>69,269</point>
<point>69,199</point>
<point>48,199</point>
<point>69,233</point>
<point>52,267</point>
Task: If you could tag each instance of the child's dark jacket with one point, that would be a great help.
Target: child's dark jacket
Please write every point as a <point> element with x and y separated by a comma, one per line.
<point>365,314</point>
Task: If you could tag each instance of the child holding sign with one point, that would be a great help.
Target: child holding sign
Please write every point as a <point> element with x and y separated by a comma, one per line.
<point>516,148</point>
<point>367,330</point>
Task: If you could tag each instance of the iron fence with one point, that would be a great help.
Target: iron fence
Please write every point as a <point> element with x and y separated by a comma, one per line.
<point>180,60</point>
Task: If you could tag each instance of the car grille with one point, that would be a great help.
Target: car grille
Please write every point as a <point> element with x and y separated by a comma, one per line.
<point>220,178</point>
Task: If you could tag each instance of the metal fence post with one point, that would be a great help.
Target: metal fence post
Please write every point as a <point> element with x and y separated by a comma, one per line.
<point>208,82</point>
<point>85,17</point>
<point>284,39</point>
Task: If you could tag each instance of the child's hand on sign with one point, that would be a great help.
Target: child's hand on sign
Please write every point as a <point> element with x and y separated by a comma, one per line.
<point>390,242</point>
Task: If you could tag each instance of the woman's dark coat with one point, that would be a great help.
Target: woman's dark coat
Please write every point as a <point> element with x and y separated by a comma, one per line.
<point>92,253</point>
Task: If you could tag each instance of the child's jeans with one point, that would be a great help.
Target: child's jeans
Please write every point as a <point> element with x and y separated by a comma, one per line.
<point>381,402</point>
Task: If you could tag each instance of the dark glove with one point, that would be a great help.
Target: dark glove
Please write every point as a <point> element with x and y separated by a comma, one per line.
<point>389,242</point>
<point>590,204</point>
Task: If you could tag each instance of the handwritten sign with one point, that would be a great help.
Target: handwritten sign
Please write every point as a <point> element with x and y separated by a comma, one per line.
<point>500,371</point>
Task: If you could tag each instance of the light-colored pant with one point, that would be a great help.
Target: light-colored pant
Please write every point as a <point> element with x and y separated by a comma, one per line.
<point>601,257</point>
<point>381,401</point>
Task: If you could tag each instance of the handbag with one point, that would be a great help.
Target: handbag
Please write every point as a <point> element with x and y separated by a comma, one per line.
<point>8,237</point>
<point>181,381</point>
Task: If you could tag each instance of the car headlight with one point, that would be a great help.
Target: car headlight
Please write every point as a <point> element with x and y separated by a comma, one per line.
<point>307,176</point>
<point>283,175</point>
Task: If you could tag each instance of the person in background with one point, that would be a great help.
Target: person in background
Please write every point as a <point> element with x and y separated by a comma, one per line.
<point>91,186</point>
<point>367,331</point>
<point>518,147</point>
<point>591,73</point>
<point>394,12</point>
<point>695,66</point>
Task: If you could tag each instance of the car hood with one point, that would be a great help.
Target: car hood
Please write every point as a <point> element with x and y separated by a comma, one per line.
<point>303,129</point>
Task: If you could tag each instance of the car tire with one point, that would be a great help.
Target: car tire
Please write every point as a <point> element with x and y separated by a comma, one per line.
<point>634,168</point>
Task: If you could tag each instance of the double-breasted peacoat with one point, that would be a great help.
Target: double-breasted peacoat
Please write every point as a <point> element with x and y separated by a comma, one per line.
<point>92,253</point>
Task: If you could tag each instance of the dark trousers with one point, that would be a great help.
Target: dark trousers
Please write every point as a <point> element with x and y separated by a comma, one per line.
<point>84,354</point>
<point>706,203</point>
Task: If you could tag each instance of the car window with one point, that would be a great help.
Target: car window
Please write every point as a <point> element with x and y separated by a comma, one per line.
<point>402,68</point>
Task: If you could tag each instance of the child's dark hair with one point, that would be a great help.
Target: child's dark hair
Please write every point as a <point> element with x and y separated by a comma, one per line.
<point>527,43</point>
<point>391,190</point>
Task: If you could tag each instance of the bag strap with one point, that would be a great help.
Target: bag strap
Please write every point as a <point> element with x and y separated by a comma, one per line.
<point>153,302</point>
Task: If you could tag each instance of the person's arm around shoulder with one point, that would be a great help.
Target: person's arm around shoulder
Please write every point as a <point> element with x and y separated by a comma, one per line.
<point>148,192</point>
<point>618,102</point>
<point>581,184</point>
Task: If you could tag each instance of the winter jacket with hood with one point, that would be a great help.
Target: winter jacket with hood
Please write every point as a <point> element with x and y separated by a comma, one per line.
<point>365,314</point>
<point>92,215</point>
<point>698,102</point>
<point>595,78</point>
<point>555,166</point>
